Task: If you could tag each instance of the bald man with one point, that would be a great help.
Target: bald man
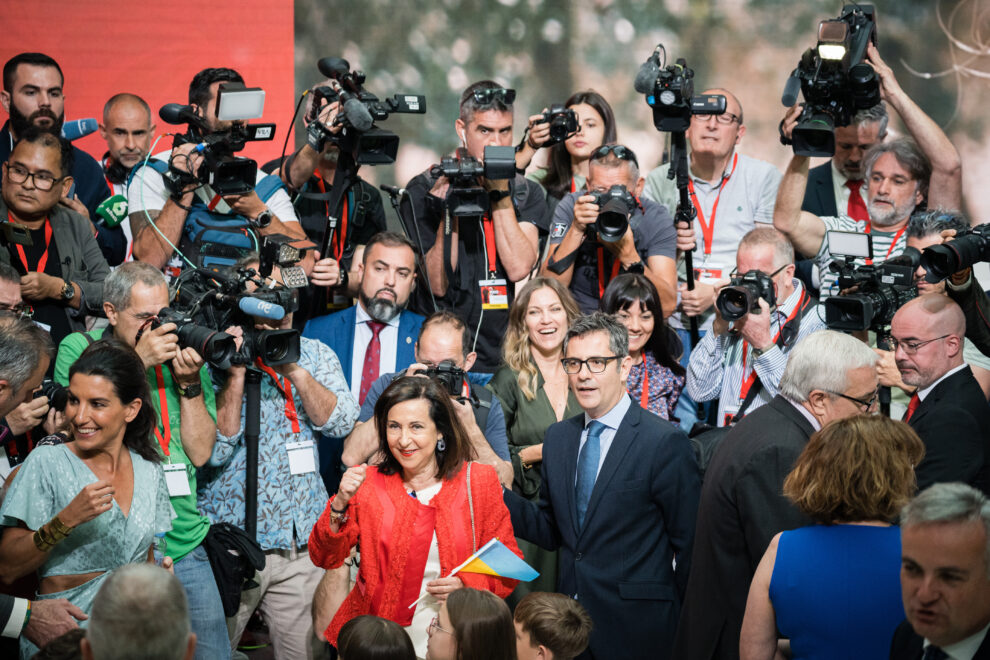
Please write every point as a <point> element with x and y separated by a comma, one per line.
<point>948,410</point>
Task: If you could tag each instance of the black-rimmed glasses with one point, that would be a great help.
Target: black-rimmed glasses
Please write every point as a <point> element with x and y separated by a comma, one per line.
<point>621,152</point>
<point>867,405</point>
<point>489,95</point>
<point>596,365</point>
<point>725,118</point>
<point>20,309</point>
<point>43,181</point>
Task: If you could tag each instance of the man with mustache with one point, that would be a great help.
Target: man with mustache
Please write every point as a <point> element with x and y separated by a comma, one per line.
<point>33,96</point>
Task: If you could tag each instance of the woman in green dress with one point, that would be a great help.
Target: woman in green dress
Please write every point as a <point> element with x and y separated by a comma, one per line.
<point>532,387</point>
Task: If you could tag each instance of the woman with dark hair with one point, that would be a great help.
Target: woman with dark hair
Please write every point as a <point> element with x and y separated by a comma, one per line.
<point>417,515</point>
<point>656,379</point>
<point>473,625</point>
<point>833,590</point>
<point>369,637</point>
<point>77,510</point>
<point>567,162</point>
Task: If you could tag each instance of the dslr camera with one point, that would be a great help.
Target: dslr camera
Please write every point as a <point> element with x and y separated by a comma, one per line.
<point>58,394</point>
<point>563,123</point>
<point>226,173</point>
<point>615,205</point>
<point>670,92</point>
<point>449,375</point>
<point>466,196</point>
<point>967,248</point>
<point>743,294</point>
<point>834,79</point>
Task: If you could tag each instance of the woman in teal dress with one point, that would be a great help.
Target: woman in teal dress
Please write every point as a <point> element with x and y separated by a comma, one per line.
<point>532,387</point>
<point>77,510</point>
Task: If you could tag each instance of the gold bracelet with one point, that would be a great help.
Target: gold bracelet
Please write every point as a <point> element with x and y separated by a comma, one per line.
<point>59,527</point>
<point>338,518</point>
<point>40,543</point>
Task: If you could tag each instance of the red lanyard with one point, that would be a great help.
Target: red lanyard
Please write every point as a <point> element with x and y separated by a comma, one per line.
<point>897,236</point>
<point>601,272</point>
<point>285,387</point>
<point>644,396</point>
<point>43,261</point>
<point>341,235</point>
<point>488,229</point>
<point>165,435</point>
<point>573,186</point>
<point>749,380</point>
<point>708,231</point>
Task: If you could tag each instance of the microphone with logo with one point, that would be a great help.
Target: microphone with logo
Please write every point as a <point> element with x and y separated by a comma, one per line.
<point>78,128</point>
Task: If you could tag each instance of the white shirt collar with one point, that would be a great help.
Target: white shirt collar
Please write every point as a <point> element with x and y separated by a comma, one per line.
<point>925,392</point>
<point>613,417</point>
<point>964,649</point>
<point>815,424</point>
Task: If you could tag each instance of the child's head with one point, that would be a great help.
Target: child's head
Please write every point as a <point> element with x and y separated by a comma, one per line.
<point>550,626</point>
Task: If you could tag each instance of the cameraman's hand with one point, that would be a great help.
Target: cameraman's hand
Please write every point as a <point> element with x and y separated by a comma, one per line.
<point>790,120</point>
<point>495,184</point>
<point>28,415</point>
<point>186,365</point>
<point>687,240</point>
<point>585,212</point>
<point>417,369</point>
<point>440,188</point>
<point>249,204</point>
<point>236,371</point>
<point>719,325</point>
<point>755,327</point>
<point>326,273</point>
<point>54,421</point>
<point>697,301</point>
<point>888,83</point>
<point>887,372</point>
<point>185,158</point>
<point>539,131</point>
<point>41,286</point>
<point>158,346</point>
<point>465,413</point>
<point>625,247</point>
<point>328,115</point>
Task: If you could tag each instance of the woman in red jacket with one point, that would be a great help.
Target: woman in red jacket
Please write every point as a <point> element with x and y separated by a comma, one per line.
<point>417,515</point>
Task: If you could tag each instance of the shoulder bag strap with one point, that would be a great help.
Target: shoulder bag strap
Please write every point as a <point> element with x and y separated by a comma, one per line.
<point>474,542</point>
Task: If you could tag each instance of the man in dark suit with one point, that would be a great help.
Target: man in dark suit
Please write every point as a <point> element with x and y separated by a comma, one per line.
<point>945,581</point>
<point>742,507</point>
<point>619,496</point>
<point>948,410</point>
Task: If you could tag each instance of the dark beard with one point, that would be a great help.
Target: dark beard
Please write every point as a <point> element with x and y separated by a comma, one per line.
<point>378,308</point>
<point>19,123</point>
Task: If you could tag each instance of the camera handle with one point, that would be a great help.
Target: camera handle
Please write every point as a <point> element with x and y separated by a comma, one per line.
<point>252,431</point>
<point>344,178</point>
<point>883,343</point>
<point>685,214</point>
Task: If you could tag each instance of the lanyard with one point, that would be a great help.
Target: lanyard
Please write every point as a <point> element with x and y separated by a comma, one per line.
<point>573,186</point>
<point>488,230</point>
<point>644,396</point>
<point>165,435</point>
<point>897,236</point>
<point>749,380</point>
<point>601,272</point>
<point>43,261</point>
<point>285,388</point>
<point>341,235</point>
<point>708,231</point>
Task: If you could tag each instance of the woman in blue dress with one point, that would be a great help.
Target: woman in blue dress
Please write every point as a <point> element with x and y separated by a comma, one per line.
<point>833,589</point>
<point>77,510</point>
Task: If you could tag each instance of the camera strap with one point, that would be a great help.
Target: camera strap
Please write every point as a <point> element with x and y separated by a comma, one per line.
<point>893,242</point>
<point>338,241</point>
<point>43,260</point>
<point>602,282</point>
<point>285,389</point>
<point>708,230</point>
<point>165,435</point>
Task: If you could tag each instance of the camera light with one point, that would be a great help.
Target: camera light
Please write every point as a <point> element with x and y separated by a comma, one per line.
<point>832,38</point>
<point>831,51</point>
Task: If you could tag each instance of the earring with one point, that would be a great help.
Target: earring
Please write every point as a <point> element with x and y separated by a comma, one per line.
<point>441,445</point>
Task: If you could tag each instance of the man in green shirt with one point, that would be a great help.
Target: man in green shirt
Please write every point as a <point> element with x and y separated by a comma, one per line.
<point>182,394</point>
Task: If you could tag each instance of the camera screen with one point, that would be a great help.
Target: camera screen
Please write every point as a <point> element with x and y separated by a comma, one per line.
<point>850,244</point>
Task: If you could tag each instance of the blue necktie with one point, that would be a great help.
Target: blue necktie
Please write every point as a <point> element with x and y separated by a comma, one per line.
<point>587,468</point>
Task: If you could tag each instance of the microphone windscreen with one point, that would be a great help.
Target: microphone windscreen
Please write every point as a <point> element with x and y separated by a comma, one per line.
<point>266,310</point>
<point>172,113</point>
<point>357,114</point>
<point>648,73</point>
<point>333,67</point>
<point>77,128</point>
<point>791,90</point>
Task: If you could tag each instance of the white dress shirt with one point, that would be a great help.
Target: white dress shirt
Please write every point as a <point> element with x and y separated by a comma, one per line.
<point>389,338</point>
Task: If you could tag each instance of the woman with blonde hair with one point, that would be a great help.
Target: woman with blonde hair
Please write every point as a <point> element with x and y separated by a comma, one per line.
<point>532,388</point>
<point>833,589</point>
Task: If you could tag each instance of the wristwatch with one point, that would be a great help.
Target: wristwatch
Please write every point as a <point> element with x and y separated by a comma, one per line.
<point>497,195</point>
<point>757,352</point>
<point>263,219</point>
<point>68,291</point>
<point>191,392</point>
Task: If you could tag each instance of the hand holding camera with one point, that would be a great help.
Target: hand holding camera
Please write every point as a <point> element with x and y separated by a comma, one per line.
<point>754,327</point>
<point>186,365</point>
<point>158,345</point>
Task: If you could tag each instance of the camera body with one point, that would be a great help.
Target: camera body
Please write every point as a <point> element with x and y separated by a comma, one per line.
<point>743,294</point>
<point>880,290</point>
<point>563,123</point>
<point>449,375</point>
<point>466,196</point>
<point>835,80</point>
<point>673,100</point>
<point>615,206</point>
<point>967,248</point>
<point>58,394</point>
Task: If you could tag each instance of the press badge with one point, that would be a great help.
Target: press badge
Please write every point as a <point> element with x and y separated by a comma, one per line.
<point>302,459</point>
<point>709,273</point>
<point>728,413</point>
<point>5,468</point>
<point>494,294</point>
<point>176,480</point>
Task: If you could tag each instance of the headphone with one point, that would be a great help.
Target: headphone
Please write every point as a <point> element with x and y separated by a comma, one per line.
<point>116,172</point>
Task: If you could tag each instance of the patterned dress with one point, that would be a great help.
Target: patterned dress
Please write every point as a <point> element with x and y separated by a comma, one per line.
<point>663,385</point>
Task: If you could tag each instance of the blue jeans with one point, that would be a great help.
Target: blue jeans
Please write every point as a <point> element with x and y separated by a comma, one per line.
<point>687,409</point>
<point>205,609</point>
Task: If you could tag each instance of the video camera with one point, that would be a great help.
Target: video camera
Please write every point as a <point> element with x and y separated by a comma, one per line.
<point>359,110</point>
<point>879,290</point>
<point>226,173</point>
<point>563,123</point>
<point>967,248</point>
<point>466,196</point>
<point>835,80</point>
<point>743,294</point>
<point>670,92</point>
<point>614,208</point>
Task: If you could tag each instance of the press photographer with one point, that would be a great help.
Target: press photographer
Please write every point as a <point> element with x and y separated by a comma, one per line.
<point>595,235</point>
<point>182,397</point>
<point>962,285</point>
<point>194,200</point>
<point>472,262</point>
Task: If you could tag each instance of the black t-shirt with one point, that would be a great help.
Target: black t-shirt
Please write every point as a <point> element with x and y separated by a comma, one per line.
<point>464,296</point>
<point>48,312</point>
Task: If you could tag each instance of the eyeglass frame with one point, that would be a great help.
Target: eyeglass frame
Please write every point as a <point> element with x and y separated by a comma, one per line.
<point>435,624</point>
<point>23,310</point>
<point>912,348</point>
<point>733,118</point>
<point>621,152</point>
<point>868,404</point>
<point>28,174</point>
<point>488,95</point>
<point>587,363</point>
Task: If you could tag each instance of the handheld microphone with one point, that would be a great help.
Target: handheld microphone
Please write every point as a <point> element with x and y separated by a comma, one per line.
<point>394,191</point>
<point>648,73</point>
<point>256,307</point>
<point>791,89</point>
<point>77,128</point>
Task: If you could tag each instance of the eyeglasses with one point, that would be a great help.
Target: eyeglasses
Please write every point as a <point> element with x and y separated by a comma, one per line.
<point>491,94</point>
<point>725,118</point>
<point>596,365</point>
<point>866,404</point>
<point>621,152</point>
<point>435,625</point>
<point>42,180</point>
<point>21,309</point>
<point>911,347</point>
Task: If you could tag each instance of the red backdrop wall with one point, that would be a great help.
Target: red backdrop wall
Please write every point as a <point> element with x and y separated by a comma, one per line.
<point>153,49</point>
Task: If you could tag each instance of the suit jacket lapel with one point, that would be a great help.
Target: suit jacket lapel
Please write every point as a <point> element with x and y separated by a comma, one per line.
<point>950,384</point>
<point>569,467</point>
<point>621,442</point>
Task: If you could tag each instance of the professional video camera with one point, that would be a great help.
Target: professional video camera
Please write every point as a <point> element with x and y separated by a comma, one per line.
<point>834,79</point>
<point>563,123</point>
<point>967,248</point>
<point>615,205</point>
<point>878,291</point>
<point>226,173</point>
<point>670,92</point>
<point>58,394</point>
<point>359,110</point>
<point>743,294</point>
<point>466,196</point>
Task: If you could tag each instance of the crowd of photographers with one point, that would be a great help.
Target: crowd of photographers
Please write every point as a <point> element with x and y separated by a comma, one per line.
<point>272,309</point>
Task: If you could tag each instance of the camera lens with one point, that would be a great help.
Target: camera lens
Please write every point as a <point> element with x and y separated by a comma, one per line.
<point>613,219</point>
<point>864,86</point>
<point>734,302</point>
<point>276,347</point>
<point>214,347</point>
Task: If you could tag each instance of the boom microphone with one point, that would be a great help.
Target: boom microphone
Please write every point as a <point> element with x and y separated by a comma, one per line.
<point>77,128</point>
<point>648,73</point>
<point>264,309</point>
<point>791,90</point>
